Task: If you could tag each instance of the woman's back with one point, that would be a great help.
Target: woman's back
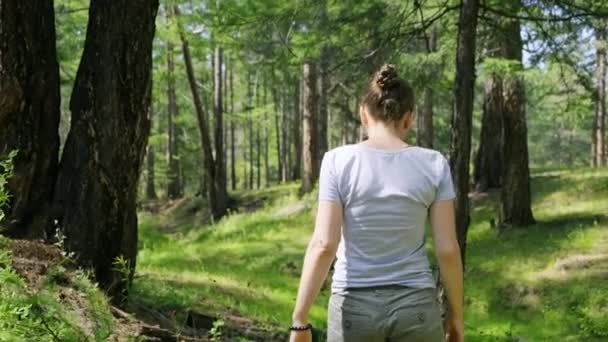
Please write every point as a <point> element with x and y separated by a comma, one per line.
<point>386,195</point>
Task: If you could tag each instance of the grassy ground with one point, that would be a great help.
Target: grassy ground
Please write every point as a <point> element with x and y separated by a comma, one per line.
<point>542,283</point>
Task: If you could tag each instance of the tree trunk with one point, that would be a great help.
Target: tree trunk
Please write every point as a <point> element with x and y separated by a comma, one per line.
<point>250,96</point>
<point>462,117</point>
<point>489,159</point>
<point>515,195</point>
<point>218,110</point>
<point>29,112</point>
<point>277,127</point>
<point>232,132</point>
<point>323,144</point>
<point>309,130</point>
<point>266,166</point>
<point>174,187</point>
<point>150,161</point>
<point>217,193</point>
<point>286,148</point>
<point>598,150</point>
<point>258,140</point>
<point>97,184</point>
<point>297,121</point>
<point>425,131</point>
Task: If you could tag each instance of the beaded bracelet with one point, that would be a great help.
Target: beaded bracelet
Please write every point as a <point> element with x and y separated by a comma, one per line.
<point>301,328</point>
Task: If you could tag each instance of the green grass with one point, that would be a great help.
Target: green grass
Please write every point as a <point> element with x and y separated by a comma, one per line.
<point>249,263</point>
<point>66,307</point>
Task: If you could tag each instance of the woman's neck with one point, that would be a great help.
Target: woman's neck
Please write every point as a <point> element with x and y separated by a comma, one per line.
<point>382,136</point>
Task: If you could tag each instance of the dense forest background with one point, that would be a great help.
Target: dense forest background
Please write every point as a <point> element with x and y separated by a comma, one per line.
<point>192,113</point>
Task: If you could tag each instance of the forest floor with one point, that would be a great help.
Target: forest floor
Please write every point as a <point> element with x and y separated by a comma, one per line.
<point>237,280</point>
<point>546,282</point>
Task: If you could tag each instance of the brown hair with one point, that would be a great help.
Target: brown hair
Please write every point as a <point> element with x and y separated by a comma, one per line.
<point>388,97</point>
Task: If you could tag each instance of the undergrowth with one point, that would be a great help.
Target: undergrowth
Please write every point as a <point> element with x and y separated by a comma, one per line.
<point>250,263</point>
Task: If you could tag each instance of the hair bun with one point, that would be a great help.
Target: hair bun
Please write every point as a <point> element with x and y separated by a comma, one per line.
<point>386,77</point>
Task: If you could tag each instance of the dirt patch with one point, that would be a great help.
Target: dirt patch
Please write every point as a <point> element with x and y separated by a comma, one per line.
<point>519,296</point>
<point>33,259</point>
<point>292,209</point>
<point>576,262</point>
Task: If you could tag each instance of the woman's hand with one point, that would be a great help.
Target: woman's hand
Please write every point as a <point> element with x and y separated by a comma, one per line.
<point>301,336</point>
<point>454,329</point>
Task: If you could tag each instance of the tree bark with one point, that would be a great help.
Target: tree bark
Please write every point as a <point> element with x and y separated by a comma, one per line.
<point>286,148</point>
<point>277,127</point>
<point>323,144</point>
<point>598,135</point>
<point>29,112</point>
<point>216,191</point>
<point>232,133</point>
<point>174,186</point>
<point>309,135</point>
<point>98,175</point>
<point>425,131</point>
<point>218,110</point>
<point>516,203</point>
<point>298,99</point>
<point>489,158</point>
<point>462,116</point>
<point>258,140</point>
<point>266,166</point>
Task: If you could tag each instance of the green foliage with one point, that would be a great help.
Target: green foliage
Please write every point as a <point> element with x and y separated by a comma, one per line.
<point>6,172</point>
<point>215,334</point>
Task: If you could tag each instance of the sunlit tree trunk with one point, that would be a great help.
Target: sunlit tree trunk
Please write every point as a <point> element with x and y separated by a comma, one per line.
<point>29,112</point>
<point>309,133</point>
<point>598,135</point>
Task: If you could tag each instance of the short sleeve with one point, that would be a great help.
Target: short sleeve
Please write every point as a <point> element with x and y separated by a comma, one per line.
<point>445,187</point>
<point>328,179</point>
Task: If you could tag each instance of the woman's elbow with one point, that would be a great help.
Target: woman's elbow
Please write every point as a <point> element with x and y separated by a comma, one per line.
<point>448,251</point>
<point>324,248</point>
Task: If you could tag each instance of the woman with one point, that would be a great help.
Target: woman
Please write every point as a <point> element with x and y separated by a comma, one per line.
<point>374,200</point>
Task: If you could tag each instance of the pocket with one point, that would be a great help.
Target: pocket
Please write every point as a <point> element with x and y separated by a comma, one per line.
<point>349,319</point>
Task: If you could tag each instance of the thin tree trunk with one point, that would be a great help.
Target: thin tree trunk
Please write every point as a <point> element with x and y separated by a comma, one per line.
<point>286,148</point>
<point>150,161</point>
<point>250,97</point>
<point>599,131</point>
<point>462,117</point>
<point>298,99</point>
<point>489,159</point>
<point>174,187</point>
<point>97,185</point>
<point>323,144</point>
<point>217,194</point>
<point>266,166</point>
<point>309,133</point>
<point>258,140</point>
<point>218,109</point>
<point>232,132</point>
<point>515,195</point>
<point>277,126</point>
<point>29,112</point>
<point>425,131</point>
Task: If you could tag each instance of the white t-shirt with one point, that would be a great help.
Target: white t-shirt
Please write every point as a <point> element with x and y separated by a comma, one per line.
<point>386,195</point>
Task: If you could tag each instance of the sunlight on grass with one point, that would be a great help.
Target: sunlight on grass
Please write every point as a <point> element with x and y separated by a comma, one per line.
<point>250,263</point>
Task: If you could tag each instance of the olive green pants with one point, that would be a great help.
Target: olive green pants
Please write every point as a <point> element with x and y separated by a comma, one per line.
<point>388,313</point>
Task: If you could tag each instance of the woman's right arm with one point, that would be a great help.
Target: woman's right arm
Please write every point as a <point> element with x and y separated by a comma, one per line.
<point>448,255</point>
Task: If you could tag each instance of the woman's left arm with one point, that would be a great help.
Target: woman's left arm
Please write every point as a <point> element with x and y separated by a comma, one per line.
<point>320,254</point>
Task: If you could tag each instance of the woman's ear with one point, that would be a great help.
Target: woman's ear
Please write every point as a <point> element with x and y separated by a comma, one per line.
<point>408,120</point>
<point>363,116</point>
